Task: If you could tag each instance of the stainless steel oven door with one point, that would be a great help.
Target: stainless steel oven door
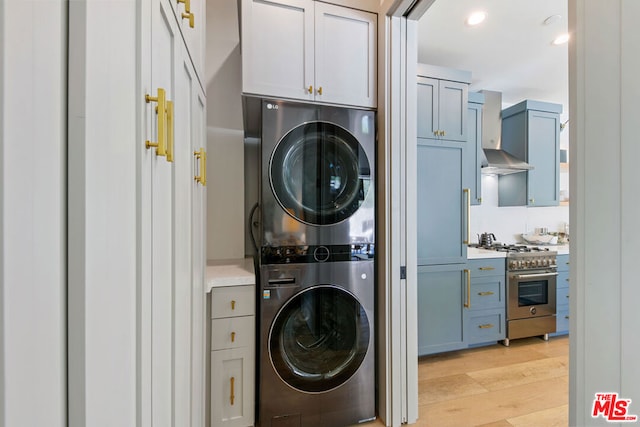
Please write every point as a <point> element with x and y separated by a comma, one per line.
<point>531,294</point>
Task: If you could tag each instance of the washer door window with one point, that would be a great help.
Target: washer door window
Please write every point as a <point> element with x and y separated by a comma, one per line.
<point>319,339</point>
<point>319,173</point>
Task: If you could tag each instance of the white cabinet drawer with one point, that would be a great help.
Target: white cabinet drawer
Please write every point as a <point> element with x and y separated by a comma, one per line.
<point>232,332</point>
<point>231,301</point>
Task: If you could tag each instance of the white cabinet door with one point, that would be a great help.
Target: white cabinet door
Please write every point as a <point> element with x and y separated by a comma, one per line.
<point>191,17</point>
<point>198,262</point>
<point>182,247</point>
<point>345,55</point>
<point>277,48</point>
<point>232,387</point>
<point>158,321</point>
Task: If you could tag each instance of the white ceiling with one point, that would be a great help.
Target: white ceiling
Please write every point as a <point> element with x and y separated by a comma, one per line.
<point>510,52</point>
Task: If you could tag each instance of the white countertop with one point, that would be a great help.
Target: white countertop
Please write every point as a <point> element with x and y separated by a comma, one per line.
<point>231,272</point>
<point>478,253</point>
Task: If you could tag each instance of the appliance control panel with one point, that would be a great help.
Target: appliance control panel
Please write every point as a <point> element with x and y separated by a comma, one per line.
<point>528,261</point>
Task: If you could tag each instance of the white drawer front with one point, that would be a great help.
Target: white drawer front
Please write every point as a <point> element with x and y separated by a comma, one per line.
<point>232,332</point>
<point>231,301</point>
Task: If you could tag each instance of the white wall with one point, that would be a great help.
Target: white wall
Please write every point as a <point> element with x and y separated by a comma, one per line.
<point>33,213</point>
<point>508,223</point>
<point>225,133</point>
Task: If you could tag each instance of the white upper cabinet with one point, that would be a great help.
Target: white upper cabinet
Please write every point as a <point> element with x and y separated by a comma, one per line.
<point>191,17</point>
<point>307,50</point>
<point>345,53</point>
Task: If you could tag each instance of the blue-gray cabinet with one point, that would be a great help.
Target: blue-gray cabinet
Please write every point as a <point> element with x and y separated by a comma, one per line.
<point>474,147</point>
<point>531,131</point>
<point>442,296</point>
<point>461,305</point>
<point>562,296</point>
<point>442,103</point>
<point>443,203</point>
<point>486,311</point>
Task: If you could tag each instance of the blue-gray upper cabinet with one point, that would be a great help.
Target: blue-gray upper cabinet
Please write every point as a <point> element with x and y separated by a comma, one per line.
<point>474,146</point>
<point>443,204</point>
<point>442,103</point>
<point>442,300</point>
<point>531,131</point>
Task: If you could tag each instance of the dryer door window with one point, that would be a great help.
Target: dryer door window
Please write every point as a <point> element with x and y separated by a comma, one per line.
<point>319,173</point>
<point>319,339</point>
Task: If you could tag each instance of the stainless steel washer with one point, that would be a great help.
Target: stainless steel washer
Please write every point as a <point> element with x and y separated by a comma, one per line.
<point>316,344</point>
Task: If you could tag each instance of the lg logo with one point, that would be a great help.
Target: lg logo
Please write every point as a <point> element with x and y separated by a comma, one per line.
<point>272,106</point>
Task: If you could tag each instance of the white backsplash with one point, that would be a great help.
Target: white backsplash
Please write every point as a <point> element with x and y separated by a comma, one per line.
<point>509,223</point>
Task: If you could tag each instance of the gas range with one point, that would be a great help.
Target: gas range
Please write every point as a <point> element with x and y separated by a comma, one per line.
<point>524,258</point>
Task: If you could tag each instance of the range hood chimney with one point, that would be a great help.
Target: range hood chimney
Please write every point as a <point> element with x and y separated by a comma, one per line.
<point>498,161</point>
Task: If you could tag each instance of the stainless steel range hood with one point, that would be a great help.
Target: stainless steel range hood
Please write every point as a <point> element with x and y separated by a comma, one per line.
<point>498,161</point>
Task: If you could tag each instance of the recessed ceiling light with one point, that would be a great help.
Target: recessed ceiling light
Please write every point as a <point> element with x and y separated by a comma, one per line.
<point>476,18</point>
<point>561,39</point>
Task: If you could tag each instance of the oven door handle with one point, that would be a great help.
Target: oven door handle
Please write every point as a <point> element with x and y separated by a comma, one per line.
<point>533,276</point>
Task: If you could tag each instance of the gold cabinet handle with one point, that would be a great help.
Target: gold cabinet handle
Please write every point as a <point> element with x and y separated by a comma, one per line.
<point>170,131</point>
<point>191,17</point>
<point>202,157</point>
<point>161,100</point>
<point>532,201</point>
<point>486,326</point>
<point>436,132</point>
<point>486,268</point>
<point>566,317</point>
<point>320,90</point>
<point>485,294</point>
<point>233,305</point>
<point>467,273</point>
<point>232,393</point>
<point>310,89</point>
<point>233,337</point>
<point>467,193</point>
<point>187,4</point>
<point>442,133</point>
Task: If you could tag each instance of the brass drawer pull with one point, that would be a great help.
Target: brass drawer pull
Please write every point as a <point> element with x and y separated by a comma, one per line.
<point>232,394</point>
<point>485,294</point>
<point>233,305</point>
<point>486,268</point>
<point>486,326</point>
<point>233,337</point>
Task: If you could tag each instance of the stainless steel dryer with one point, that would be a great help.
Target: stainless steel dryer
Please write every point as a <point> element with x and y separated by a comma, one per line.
<point>317,174</point>
<point>316,343</point>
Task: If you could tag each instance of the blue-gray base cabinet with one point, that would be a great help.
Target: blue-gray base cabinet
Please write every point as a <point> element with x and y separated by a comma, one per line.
<point>460,305</point>
<point>486,312</point>
<point>562,296</point>
<point>442,294</point>
<point>531,132</point>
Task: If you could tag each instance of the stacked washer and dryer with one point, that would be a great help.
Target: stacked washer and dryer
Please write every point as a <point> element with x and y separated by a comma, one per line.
<point>316,363</point>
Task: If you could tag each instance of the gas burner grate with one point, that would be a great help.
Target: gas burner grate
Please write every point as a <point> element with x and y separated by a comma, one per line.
<point>510,248</point>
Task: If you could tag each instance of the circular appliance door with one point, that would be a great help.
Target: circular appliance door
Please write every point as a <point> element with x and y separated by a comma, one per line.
<point>319,339</point>
<point>319,173</point>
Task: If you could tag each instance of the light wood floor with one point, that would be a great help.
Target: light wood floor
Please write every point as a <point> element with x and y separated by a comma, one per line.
<point>525,384</point>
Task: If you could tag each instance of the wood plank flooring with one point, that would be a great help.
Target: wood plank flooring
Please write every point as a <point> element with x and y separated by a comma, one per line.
<point>523,385</point>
